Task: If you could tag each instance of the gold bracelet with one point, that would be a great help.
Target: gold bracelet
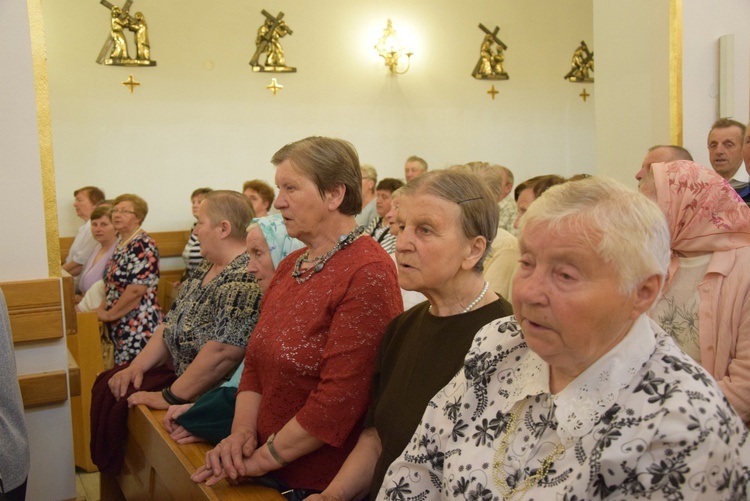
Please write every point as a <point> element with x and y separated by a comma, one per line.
<point>272,450</point>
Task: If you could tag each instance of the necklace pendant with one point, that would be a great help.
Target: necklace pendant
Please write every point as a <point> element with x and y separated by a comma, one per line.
<point>319,267</point>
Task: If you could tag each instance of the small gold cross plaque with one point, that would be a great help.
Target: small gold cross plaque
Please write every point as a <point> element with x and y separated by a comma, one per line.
<point>492,92</point>
<point>131,83</point>
<point>274,86</point>
<point>584,95</point>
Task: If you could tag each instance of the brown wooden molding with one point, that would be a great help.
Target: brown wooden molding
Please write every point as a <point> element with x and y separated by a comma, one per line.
<point>43,388</point>
<point>34,309</point>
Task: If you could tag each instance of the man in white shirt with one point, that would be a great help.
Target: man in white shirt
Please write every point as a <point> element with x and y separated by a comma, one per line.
<point>725,151</point>
<point>86,199</point>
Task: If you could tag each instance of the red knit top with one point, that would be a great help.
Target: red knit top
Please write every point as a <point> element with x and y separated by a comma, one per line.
<point>313,350</point>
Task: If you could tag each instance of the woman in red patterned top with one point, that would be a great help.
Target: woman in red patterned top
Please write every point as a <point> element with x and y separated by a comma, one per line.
<point>310,360</point>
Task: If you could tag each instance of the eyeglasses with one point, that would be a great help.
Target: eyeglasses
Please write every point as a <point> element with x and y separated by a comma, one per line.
<point>122,211</point>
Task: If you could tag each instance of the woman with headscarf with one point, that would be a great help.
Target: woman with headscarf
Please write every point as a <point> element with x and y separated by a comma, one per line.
<point>210,418</point>
<point>706,300</point>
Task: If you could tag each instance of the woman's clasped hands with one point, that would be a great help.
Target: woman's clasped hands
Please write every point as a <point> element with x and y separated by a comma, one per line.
<point>233,458</point>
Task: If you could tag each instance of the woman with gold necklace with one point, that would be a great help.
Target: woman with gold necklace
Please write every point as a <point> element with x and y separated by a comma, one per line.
<point>309,362</point>
<point>447,220</point>
<point>130,309</point>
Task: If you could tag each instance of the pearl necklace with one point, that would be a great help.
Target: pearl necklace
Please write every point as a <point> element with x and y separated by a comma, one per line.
<point>499,475</point>
<point>473,303</point>
<point>302,276</point>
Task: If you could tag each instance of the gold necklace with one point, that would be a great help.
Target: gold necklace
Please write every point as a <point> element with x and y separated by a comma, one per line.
<point>499,459</point>
<point>122,245</point>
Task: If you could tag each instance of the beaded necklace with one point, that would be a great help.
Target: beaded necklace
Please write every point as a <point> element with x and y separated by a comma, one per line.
<point>499,476</point>
<point>301,276</point>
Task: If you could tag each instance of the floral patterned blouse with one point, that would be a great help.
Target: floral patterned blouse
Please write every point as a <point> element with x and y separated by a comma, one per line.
<point>225,310</point>
<point>644,421</point>
<point>137,263</point>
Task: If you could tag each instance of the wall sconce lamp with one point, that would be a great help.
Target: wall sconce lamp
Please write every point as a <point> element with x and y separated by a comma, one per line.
<point>389,48</point>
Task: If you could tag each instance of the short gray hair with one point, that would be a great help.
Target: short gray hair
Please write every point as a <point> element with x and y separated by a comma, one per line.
<point>623,227</point>
<point>479,211</point>
<point>231,206</point>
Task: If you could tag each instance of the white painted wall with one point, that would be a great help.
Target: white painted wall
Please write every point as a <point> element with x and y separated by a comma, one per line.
<point>704,23</point>
<point>188,126</point>
<point>632,78</point>
<point>24,250</point>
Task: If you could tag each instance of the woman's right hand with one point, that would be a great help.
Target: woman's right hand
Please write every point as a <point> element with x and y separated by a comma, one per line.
<point>119,383</point>
<point>226,459</point>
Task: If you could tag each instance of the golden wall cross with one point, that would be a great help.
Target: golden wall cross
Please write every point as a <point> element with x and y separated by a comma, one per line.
<point>131,83</point>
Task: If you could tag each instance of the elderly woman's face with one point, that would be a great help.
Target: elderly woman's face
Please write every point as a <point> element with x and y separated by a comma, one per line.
<point>431,248</point>
<point>390,216</point>
<point>83,205</point>
<point>124,218</point>
<point>383,202</point>
<point>102,229</point>
<point>260,207</point>
<point>299,202</point>
<point>524,200</point>
<point>260,264</point>
<point>566,299</point>
<point>208,234</point>
<point>195,202</point>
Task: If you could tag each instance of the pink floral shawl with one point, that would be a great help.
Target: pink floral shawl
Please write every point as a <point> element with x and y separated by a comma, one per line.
<point>704,212</point>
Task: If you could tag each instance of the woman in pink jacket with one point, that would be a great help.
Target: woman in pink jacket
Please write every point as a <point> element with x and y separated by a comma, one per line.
<point>706,299</point>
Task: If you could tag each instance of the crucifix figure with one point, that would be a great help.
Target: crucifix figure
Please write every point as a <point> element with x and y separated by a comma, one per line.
<point>581,64</point>
<point>267,42</point>
<point>115,51</point>
<point>491,56</point>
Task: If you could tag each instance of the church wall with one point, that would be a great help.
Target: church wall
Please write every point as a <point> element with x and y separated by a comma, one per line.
<point>24,250</point>
<point>632,78</point>
<point>202,118</point>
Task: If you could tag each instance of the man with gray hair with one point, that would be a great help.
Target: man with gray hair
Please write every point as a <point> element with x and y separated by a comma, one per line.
<point>414,167</point>
<point>369,211</point>
<point>725,151</point>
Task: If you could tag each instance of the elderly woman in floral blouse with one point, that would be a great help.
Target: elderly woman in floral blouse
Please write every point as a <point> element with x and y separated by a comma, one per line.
<point>581,395</point>
<point>205,333</point>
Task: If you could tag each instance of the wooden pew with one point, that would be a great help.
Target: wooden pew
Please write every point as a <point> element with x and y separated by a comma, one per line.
<point>158,468</point>
<point>170,244</point>
<point>85,349</point>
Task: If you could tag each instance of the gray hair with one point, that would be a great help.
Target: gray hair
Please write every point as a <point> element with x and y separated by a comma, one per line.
<point>231,206</point>
<point>624,228</point>
<point>479,211</point>
<point>491,174</point>
<point>328,163</point>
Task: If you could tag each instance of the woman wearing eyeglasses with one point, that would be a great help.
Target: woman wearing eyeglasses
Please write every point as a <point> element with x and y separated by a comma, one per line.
<point>130,309</point>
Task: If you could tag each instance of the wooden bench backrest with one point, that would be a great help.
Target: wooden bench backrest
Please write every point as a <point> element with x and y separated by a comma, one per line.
<point>169,243</point>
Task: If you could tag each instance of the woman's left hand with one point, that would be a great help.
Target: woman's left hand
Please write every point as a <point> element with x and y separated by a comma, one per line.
<point>102,314</point>
<point>151,399</point>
